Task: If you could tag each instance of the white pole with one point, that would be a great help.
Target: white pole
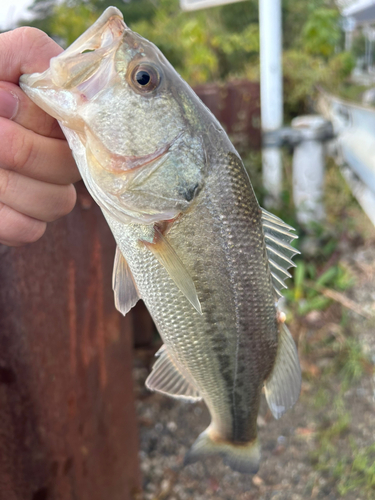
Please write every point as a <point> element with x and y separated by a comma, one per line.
<point>348,40</point>
<point>271,92</point>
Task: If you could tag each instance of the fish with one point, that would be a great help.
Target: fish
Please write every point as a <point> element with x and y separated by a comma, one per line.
<point>192,240</point>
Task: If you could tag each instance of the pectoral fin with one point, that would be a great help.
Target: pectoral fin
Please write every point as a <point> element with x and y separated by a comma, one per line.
<point>168,258</point>
<point>284,384</point>
<point>168,378</point>
<point>125,291</point>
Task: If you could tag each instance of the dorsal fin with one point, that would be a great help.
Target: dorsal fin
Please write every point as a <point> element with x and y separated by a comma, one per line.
<point>167,377</point>
<point>278,237</point>
<point>124,289</point>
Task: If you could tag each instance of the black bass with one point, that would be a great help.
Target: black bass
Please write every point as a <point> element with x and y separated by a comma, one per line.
<point>192,241</point>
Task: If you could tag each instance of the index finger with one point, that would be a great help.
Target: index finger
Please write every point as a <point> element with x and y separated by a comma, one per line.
<point>27,50</point>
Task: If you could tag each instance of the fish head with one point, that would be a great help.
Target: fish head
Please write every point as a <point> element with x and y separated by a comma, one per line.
<point>135,127</point>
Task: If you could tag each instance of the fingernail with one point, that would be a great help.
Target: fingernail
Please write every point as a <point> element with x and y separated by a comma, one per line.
<point>8,104</point>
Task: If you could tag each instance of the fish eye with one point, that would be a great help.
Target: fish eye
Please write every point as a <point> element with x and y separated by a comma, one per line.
<point>145,77</point>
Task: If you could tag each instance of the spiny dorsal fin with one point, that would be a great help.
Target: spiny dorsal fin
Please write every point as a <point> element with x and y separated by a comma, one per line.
<point>125,292</point>
<point>168,378</point>
<point>283,386</point>
<point>168,258</point>
<point>278,237</point>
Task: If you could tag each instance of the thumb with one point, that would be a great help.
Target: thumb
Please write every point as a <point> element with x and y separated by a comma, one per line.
<point>25,50</point>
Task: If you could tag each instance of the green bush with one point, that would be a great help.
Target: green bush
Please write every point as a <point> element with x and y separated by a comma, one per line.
<point>221,43</point>
<point>340,67</point>
<point>302,73</point>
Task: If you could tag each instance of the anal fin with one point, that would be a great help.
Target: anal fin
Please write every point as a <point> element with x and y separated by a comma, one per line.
<point>168,378</point>
<point>125,291</point>
<point>283,386</point>
<point>168,258</point>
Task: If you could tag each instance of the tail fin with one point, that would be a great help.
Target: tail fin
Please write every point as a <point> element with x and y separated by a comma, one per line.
<point>243,458</point>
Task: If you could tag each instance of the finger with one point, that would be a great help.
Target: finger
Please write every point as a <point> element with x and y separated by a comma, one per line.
<point>25,50</point>
<point>15,105</point>
<point>40,200</point>
<point>17,229</point>
<point>35,156</point>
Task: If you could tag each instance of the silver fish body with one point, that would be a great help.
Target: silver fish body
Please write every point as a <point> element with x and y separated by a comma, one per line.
<point>193,242</point>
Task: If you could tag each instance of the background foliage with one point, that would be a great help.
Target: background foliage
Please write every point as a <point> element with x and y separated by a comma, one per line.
<point>223,42</point>
<point>331,435</point>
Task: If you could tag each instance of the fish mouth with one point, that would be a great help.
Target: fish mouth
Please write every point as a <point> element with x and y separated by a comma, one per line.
<point>107,28</point>
<point>81,59</point>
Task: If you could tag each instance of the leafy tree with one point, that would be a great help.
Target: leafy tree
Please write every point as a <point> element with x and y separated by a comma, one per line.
<point>321,33</point>
<point>296,14</point>
<point>207,49</point>
<point>222,42</point>
<point>237,16</point>
<point>69,22</point>
<point>206,45</point>
<point>49,16</point>
<point>42,11</point>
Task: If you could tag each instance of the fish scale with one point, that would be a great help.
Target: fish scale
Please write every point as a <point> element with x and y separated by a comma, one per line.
<point>192,241</point>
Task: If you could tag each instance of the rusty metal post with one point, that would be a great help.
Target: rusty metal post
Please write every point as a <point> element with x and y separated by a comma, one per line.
<point>236,105</point>
<point>67,419</point>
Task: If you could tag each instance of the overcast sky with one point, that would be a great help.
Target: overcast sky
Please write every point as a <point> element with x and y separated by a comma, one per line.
<point>11,11</point>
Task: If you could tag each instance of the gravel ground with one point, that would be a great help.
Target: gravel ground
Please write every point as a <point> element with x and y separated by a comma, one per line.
<point>309,452</point>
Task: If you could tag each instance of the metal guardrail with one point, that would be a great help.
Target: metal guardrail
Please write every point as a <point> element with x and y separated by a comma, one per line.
<point>354,128</point>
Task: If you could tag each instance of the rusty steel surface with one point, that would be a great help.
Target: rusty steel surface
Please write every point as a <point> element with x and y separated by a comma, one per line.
<point>143,326</point>
<point>67,419</point>
<point>236,105</point>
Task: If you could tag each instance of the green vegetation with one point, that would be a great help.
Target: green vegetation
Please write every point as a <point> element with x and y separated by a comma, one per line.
<point>350,91</point>
<point>350,472</point>
<point>361,472</point>
<point>333,360</point>
<point>307,285</point>
<point>321,33</point>
<point>223,42</point>
<point>346,465</point>
<point>320,268</point>
<point>351,361</point>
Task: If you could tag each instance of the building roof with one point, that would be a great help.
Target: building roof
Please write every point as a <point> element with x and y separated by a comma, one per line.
<point>362,11</point>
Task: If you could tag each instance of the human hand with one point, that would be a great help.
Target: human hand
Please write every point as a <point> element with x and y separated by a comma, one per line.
<point>36,165</point>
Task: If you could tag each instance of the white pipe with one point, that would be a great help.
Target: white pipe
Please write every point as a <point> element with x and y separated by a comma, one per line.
<point>271,91</point>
